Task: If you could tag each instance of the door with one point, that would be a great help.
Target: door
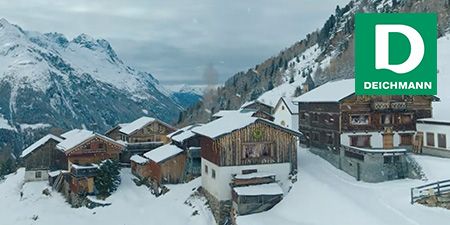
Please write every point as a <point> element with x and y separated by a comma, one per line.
<point>388,138</point>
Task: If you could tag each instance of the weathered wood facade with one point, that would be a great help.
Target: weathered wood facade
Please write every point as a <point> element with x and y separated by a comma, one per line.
<point>169,171</point>
<point>94,150</point>
<point>258,106</point>
<point>46,157</point>
<point>155,131</point>
<point>258,143</point>
<point>324,122</point>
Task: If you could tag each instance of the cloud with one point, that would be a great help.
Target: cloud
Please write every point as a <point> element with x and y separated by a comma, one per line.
<point>175,40</point>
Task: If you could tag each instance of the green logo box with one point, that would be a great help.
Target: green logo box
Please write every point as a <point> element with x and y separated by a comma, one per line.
<point>396,54</point>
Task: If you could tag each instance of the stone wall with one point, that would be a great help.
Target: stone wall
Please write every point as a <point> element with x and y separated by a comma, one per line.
<point>220,209</point>
<point>371,169</point>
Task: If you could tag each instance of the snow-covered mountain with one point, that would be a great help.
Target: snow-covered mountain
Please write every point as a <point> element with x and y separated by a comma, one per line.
<point>48,81</point>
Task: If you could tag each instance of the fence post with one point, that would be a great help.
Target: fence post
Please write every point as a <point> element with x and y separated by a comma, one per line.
<point>438,189</point>
<point>412,196</point>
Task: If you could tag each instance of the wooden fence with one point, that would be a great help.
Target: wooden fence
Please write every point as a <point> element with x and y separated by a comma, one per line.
<point>433,189</point>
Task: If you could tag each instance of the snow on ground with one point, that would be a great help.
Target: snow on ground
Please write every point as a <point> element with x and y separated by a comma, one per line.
<point>131,205</point>
<point>325,195</point>
<point>441,110</point>
<point>4,124</point>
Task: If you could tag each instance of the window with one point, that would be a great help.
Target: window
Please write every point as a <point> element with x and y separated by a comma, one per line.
<point>282,107</point>
<point>38,174</point>
<point>283,123</point>
<point>330,139</point>
<point>256,150</point>
<point>206,169</point>
<point>213,174</point>
<point>359,119</point>
<point>360,141</point>
<point>442,141</point>
<point>406,139</point>
<point>100,145</point>
<point>315,136</point>
<point>406,119</point>
<point>386,119</point>
<point>430,139</point>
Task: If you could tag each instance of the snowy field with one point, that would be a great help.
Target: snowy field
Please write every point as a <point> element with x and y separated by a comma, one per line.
<point>131,205</point>
<point>322,196</point>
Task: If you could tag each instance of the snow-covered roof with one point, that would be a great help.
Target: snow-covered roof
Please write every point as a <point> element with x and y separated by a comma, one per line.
<point>293,108</point>
<point>333,91</point>
<point>77,136</point>
<point>138,159</point>
<point>179,131</point>
<point>74,138</point>
<point>39,143</point>
<point>136,125</point>
<point>254,101</point>
<point>223,113</point>
<point>90,166</point>
<point>120,125</point>
<point>376,150</point>
<point>162,153</point>
<point>253,176</point>
<point>228,124</point>
<point>434,121</point>
<point>56,172</point>
<point>260,189</point>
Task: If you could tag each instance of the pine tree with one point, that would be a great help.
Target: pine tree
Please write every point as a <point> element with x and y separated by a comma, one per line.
<point>6,167</point>
<point>108,178</point>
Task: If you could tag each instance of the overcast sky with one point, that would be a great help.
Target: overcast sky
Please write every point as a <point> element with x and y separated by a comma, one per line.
<point>176,39</point>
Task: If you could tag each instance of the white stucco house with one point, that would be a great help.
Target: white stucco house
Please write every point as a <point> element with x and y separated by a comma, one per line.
<point>434,135</point>
<point>286,113</point>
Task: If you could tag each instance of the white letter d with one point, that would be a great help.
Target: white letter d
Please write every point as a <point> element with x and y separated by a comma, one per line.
<point>382,48</point>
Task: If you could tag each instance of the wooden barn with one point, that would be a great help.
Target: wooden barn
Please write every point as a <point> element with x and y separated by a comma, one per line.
<point>258,106</point>
<point>187,140</point>
<point>114,133</point>
<point>166,164</point>
<point>255,113</point>
<point>83,147</point>
<point>242,144</point>
<point>343,128</point>
<point>42,157</point>
<point>143,135</point>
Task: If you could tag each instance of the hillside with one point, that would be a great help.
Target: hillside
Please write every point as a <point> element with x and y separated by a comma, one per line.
<point>325,54</point>
<point>50,83</point>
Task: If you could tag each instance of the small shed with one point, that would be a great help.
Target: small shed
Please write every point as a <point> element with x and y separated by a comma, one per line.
<point>166,164</point>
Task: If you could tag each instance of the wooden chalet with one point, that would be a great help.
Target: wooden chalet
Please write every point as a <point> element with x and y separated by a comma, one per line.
<point>258,106</point>
<point>433,136</point>
<point>255,113</point>
<point>83,147</point>
<point>187,140</point>
<point>142,135</point>
<point>163,165</point>
<point>242,144</point>
<point>332,117</point>
<point>114,133</point>
<point>42,157</point>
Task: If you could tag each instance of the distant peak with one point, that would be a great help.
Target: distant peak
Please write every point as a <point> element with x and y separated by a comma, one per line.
<point>83,38</point>
<point>3,21</point>
<point>58,38</point>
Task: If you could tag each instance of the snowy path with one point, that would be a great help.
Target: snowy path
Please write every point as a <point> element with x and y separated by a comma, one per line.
<point>324,195</point>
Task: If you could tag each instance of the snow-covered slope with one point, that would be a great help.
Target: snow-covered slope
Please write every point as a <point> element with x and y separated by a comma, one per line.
<point>325,195</point>
<point>441,110</point>
<point>47,79</point>
<point>130,205</point>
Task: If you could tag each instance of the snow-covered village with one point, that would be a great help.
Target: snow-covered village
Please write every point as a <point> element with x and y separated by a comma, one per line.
<point>88,136</point>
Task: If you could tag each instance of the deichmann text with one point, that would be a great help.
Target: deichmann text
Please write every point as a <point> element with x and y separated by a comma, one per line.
<point>398,85</point>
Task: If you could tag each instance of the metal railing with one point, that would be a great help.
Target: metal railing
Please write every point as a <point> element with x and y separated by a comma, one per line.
<point>433,189</point>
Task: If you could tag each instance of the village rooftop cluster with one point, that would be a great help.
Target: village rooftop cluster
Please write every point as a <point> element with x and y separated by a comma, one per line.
<point>247,158</point>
